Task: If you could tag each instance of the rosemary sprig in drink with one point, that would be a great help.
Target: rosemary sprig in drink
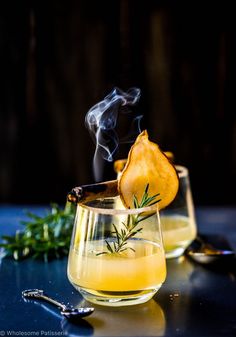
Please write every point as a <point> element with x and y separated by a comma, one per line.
<point>130,229</point>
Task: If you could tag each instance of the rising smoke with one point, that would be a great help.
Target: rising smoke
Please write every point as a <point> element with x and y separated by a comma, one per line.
<point>101,121</point>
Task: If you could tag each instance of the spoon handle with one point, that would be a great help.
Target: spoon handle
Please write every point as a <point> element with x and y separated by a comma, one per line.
<point>39,295</point>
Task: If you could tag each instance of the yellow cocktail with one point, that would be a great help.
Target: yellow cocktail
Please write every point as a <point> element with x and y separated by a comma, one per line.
<point>130,271</point>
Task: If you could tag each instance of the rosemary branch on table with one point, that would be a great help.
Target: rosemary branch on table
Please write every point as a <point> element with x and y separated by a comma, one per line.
<point>130,229</point>
<point>46,237</point>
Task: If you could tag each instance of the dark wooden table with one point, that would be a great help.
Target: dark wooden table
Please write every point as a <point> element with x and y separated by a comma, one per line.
<point>194,301</point>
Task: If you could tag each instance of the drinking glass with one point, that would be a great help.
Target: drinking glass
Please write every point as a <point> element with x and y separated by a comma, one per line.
<point>116,256</point>
<point>178,219</point>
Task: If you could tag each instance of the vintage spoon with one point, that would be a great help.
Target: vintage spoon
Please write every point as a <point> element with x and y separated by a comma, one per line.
<point>205,253</point>
<point>67,311</point>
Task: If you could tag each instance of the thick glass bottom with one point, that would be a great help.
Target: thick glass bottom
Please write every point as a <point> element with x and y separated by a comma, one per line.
<point>117,298</point>
<point>174,253</point>
<point>177,250</point>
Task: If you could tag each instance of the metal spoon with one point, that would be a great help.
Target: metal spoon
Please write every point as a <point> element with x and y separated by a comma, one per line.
<point>66,311</point>
<point>203,252</point>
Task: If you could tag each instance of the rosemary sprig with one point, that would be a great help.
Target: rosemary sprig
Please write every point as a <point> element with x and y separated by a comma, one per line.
<point>130,228</point>
<point>46,237</point>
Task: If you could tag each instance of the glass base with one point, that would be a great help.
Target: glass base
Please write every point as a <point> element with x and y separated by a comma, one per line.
<point>177,252</point>
<point>117,299</point>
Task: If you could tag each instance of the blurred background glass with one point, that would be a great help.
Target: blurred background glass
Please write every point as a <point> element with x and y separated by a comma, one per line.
<point>58,60</point>
<point>178,219</point>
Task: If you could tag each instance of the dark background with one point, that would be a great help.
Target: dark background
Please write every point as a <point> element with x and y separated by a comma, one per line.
<point>59,58</point>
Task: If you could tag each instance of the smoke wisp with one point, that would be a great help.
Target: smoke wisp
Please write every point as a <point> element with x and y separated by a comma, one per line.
<point>101,121</point>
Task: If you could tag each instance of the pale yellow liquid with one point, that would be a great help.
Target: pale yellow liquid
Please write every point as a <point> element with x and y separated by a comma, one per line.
<point>118,273</point>
<point>177,231</point>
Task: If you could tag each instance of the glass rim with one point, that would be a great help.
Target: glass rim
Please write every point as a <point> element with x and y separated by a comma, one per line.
<point>114,211</point>
<point>181,170</point>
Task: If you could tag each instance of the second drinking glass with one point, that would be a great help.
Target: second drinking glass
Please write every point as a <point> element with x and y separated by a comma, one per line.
<point>178,219</point>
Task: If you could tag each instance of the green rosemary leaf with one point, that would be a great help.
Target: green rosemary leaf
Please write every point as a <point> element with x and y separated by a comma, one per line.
<point>136,205</point>
<point>139,230</point>
<point>144,200</point>
<point>109,247</point>
<point>150,199</point>
<point>144,218</point>
<point>129,218</point>
<point>101,253</point>
<point>123,232</point>
<point>146,189</point>
<point>155,202</point>
<point>132,234</point>
<point>9,239</point>
<point>118,236</point>
<point>125,225</point>
<point>32,216</point>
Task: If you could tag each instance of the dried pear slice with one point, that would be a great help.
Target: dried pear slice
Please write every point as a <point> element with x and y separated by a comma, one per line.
<point>147,164</point>
<point>119,164</point>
